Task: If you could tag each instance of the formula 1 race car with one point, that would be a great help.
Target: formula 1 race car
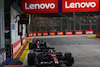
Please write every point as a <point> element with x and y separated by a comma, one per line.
<point>37,44</point>
<point>48,57</point>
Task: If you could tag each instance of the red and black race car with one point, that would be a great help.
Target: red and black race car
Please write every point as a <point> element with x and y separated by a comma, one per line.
<point>48,57</point>
<point>37,44</point>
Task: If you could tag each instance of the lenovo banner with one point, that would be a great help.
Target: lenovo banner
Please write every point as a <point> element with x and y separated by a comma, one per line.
<point>80,5</point>
<point>40,6</point>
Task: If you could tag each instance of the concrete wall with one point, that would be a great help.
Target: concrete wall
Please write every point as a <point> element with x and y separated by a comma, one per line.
<point>14,26</point>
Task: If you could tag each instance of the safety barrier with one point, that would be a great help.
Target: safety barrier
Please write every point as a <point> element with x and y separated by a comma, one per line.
<point>69,33</point>
<point>45,33</point>
<point>78,32</point>
<point>39,33</point>
<point>60,33</point>
<point>53,33</point>
<point>17,46</point>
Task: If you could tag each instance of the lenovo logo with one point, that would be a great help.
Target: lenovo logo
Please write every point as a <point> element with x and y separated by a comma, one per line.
<point>80,5</point>
<point>40,6</point>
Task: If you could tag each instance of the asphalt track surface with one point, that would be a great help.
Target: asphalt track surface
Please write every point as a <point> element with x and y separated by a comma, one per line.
<point>85,50</point>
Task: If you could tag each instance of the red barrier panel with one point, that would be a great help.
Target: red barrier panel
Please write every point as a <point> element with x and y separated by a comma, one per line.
<point>30,34</point>
<point>45,33</point>
<point>52,33</point>
<point>39,33</point>
<point>34,34</point>
<point>60,33</point>
<point>89,32</point>
<point>69,33</point>
<point>16,47</point>
<point>24,40</point>
<point>79,32</point>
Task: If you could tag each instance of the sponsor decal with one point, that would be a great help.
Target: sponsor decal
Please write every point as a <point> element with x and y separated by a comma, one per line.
<point>69,33</point>
<point>39,34</point>
<point>20,28</point>
<point>52,33</point>
<point>80,5</point>
<point>60,33</point>
<point>89,32</point>
<point>79,32</point>
<point>30,34</point>
<point>34,33</point>
<point>54,57</point>
<point>45,33</point>
<point>40,6</point>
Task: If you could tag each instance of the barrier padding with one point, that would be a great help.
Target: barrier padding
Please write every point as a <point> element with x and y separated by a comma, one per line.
<point>53,33</point>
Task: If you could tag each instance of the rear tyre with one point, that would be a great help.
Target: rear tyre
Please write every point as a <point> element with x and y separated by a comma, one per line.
<point>31,58</point>
<point>30,46</point>
<point>69,59</point>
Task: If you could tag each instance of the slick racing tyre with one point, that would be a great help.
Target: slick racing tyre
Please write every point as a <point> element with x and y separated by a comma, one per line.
<point>31,58</point>
<point>30,46</point>
<point>68,56</point>
<point>69,59</point>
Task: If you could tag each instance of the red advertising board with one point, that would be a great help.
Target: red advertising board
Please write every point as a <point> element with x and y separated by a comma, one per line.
<point>34,34</point>
<point>20,28</point>
<point>52,33</point>
<point>80,5</point>
<point>40,6</point>
<point>30,34</point>
<point>39,33</point>
<point>89,32</point>
<point>24,39</point>
<point>16,47</point>
<point>79,32</point>
<point>45,33</point>
<point>69,33</point>
<point>60,33</point>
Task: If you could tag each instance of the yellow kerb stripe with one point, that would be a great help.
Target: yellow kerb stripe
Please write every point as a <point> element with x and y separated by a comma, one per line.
<point>22,58</point>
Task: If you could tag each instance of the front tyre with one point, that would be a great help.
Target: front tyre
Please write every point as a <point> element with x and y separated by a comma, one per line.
<point>31,57</point>
<point>69,59</point>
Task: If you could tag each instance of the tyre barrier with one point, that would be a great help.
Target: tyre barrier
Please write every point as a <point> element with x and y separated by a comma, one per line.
<point>53,33</point>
